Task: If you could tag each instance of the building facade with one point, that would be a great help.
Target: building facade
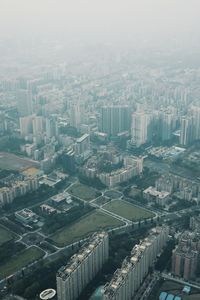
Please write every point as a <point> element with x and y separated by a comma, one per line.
<point>115,119</point>
<point>82,267</point>
<point>128,279</point>
<point>186,256</point>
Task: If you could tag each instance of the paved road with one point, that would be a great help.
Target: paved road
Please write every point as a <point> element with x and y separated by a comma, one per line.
<point>169,277</point>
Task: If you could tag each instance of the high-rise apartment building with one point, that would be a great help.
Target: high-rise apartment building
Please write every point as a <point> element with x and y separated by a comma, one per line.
<point>82,144</point>
<point>68,160</point>
<point>75,115</point>
<point>18,189</point>
<point>186,255</point>
<point>51,127</point>
<point>195,111</point>
<point>186,135</point>
<point>24,100</point>
<point>141,129</point>
<point>82,267</point>
<point>2,123</point>
<point>115,119</point>
<point>128,279</point>
<point>167,125</point>
<point>26,125</point>
<point>38,125</point>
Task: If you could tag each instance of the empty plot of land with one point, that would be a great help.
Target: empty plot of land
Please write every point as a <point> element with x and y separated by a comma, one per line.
<point>191,297</point>
<point>84,227</point>
<point>9,161</point>
<point>5,235</point>
<point>20,261</point>
<point>174,288</point>
<point>128,211</point>
<point>83,191</point>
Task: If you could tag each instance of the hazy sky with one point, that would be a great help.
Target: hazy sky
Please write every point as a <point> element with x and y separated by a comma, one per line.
<point>82,18</point>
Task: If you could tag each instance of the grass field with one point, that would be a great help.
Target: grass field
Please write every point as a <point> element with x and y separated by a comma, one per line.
<point>134,192</point>
<point>5,236</point>
<point>84,227</point>
<point>19,261</point>
<point>127,210</point>
<point>83,191</point>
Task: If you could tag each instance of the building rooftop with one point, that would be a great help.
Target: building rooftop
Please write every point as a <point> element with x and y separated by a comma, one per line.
<point>187,289</point>
<point>25,213</point>
<point>170,297</point>
<point>152,191</point>
<point>76,259</point>
<point>59,197</point>
<point>82,138</point>
<point>163,296</point>
<point>46,206</point>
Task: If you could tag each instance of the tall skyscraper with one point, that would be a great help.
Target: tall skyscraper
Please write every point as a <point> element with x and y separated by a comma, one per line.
<point>82,267</point>
<point>115,119</point>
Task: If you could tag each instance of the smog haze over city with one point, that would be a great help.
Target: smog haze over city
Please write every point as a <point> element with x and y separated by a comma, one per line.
<point>100,149</point>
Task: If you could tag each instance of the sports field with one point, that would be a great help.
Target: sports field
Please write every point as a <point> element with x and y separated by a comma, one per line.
<point>83,191</point>
<point>5,235</point>
<point>19,261</point>
<point>84,227</point>
<point>128,211</point>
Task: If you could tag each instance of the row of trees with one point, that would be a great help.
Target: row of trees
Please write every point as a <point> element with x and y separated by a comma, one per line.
<point>9,249</point>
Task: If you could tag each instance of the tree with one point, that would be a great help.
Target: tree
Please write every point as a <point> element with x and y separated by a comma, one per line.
<point>32,290</point>
<point>19,286</point>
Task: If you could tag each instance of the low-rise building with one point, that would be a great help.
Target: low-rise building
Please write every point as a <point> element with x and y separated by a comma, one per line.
<point>159,197</point>
<point>61,198</point>
<point>47,209</point>
<point>26,216</point>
